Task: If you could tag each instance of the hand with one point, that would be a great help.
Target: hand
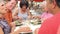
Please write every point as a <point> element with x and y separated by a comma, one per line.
<point>17,18</point>
<point>12,26</point>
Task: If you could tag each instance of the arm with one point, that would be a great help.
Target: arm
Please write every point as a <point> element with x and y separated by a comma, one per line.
<point>58,31</point>
<point>15,13</point>
<point>1,31</point>
<point>12,27</point>
<point>29,14</point>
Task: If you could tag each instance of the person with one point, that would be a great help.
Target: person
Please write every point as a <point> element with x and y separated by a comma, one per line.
<point>6,24</point>
<point>10,5</point>
<point>51,25</point>
<point>8,16</point>
<point>23,13</point>
<point>46,14</point>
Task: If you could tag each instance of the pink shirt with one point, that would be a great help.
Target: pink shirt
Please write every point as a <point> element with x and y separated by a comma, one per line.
<point>46,15</point>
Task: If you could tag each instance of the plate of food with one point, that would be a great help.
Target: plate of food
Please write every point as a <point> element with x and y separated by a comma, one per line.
<point>25,33</point>
<point>18,23</point>
<point>36,22</point>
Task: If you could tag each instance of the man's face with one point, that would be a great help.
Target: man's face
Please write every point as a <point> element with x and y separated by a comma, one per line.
<point>11,5</point>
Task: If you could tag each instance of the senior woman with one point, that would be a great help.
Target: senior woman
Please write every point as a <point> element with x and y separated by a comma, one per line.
<point>6,24</point>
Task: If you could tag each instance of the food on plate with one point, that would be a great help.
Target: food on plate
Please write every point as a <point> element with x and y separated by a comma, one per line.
<point>36,21</point>
<point>18,23</point>
<point>25,30</point>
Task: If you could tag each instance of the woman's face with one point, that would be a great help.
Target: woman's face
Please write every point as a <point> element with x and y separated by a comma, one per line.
<point>24,8</point>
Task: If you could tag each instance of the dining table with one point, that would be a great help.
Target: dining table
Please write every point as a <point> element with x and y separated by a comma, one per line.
<point>30,25</point>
